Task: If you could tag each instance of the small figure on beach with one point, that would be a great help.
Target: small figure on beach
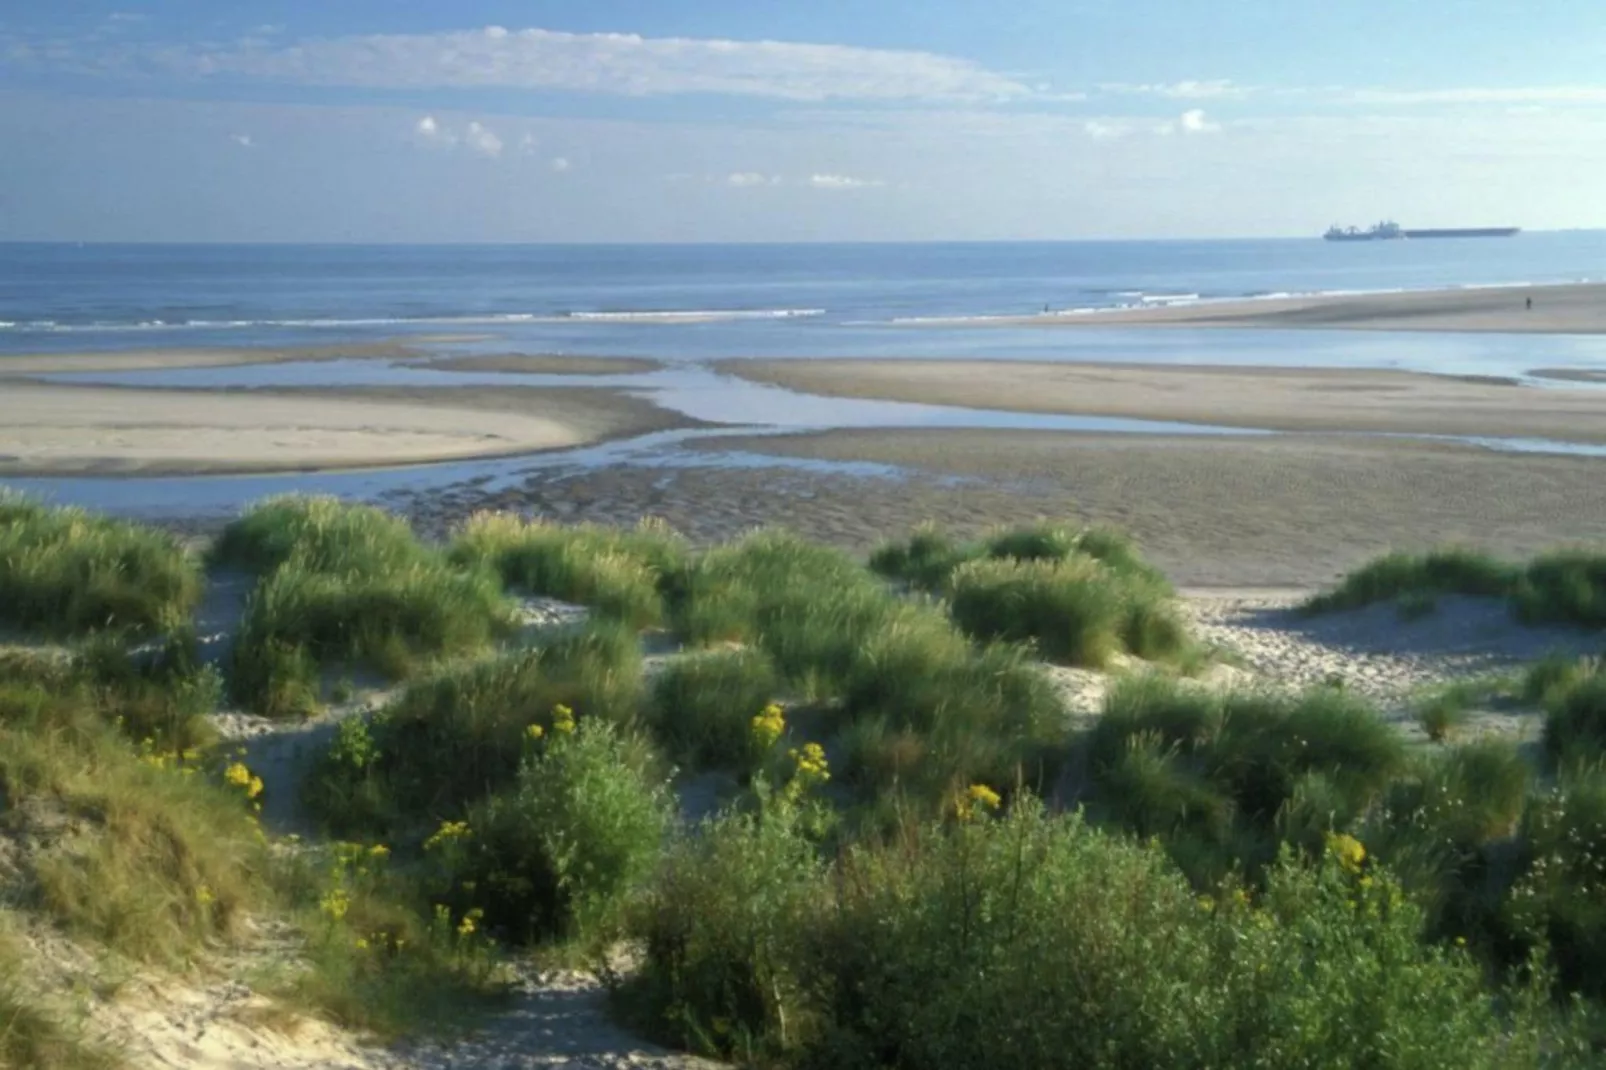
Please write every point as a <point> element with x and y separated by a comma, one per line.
<point>1530,304</point>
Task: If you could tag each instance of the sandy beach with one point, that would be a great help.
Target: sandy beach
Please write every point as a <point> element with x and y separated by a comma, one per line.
<point>1286,399</point>
<point>1567,309</point>
<point>47,429</point>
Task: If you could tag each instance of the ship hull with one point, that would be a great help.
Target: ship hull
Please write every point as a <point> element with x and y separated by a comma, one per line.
<point>1465,232</point>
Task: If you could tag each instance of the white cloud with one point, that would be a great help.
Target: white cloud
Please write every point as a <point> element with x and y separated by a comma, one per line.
<point>1104,129</point>
<point>559,164</point>
<point>746,179</point>
<point>1193,121</point>
<point>619,63</point>
<point>428,127</point>
<point>1185,90</point>
<point>843,182</point>
<point>243,140</point>
<point>482,140</point>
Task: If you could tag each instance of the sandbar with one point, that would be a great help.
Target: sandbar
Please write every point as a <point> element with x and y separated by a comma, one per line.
<point>542,364</point>
<point>1286,399</point>
<point>52,430</point>
<point>1574,308</point>
<point>133,360</point>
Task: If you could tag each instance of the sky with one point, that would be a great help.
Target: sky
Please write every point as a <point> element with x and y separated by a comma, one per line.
<point>785,120</point>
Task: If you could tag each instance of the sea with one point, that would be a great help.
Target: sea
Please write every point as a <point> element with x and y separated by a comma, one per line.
<point>688,304</point>
<point>698,302</point>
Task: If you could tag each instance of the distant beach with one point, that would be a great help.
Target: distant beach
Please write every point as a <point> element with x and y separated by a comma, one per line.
<point>1569,309</point>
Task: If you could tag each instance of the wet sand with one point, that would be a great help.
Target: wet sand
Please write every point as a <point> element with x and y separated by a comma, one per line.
<point>543,364</point>
<point>1571,375</point>
<point>1286,399</point>
<point>1285,511</point>
<point>1567,309</point>
<point>51,430</point>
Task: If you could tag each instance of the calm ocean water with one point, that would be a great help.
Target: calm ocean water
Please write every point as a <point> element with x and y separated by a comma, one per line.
<point>780,300</point>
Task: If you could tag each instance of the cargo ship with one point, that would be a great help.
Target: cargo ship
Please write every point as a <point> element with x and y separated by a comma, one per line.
<point>1391,231</point>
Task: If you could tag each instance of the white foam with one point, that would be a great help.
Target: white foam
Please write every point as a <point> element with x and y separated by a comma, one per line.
<point>643,316</point>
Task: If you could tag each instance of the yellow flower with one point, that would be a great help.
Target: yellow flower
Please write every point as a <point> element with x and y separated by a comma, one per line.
<point>238,775</point>
<point>982,795</point>
<point>1348,850</point>
<point>335,903</point>
<point>361,943</point>
<point>535,731</point>
<point>562,719</point>
<point>1460,941</point>
<point>253,789</point>
<point>204,896</point>
<point>379,851</point>
<point>768,727</point>
<point>448,832</point>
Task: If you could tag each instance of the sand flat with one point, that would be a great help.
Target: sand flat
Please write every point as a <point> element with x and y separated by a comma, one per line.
<point>47,429</point>
<point>1286,399</point>
<point>1212,510</point>
<point>1573,308</point>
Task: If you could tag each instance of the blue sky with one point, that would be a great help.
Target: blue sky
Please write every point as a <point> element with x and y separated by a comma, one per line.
<point>708,120</point>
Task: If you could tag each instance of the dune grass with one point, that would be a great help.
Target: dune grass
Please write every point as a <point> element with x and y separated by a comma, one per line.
<point>1233,775</point>
<point>616,573</point>
<point>325,534</point>
<point>152,857</point>
<point>1575,713</point>
<point>1563,586</point>
<point>346,585</point>
<point>65,572</point>
<point>703,706</point>
<point>461,735</point>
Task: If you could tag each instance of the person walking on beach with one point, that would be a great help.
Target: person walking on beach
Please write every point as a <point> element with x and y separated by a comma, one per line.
<point>1530,305</point>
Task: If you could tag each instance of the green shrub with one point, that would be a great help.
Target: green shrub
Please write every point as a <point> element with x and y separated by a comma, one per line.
<point>617,573</point>
<point>563,850</point>
<point>67,572</point>
<point>1559,902</point>
<point>1036,941</point>
<point>724,930</point>
<point>1568,586</point>
<point>1446,571</point>
<point>703,707</point>
<point>460,736</point>
<point>299,620</point>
